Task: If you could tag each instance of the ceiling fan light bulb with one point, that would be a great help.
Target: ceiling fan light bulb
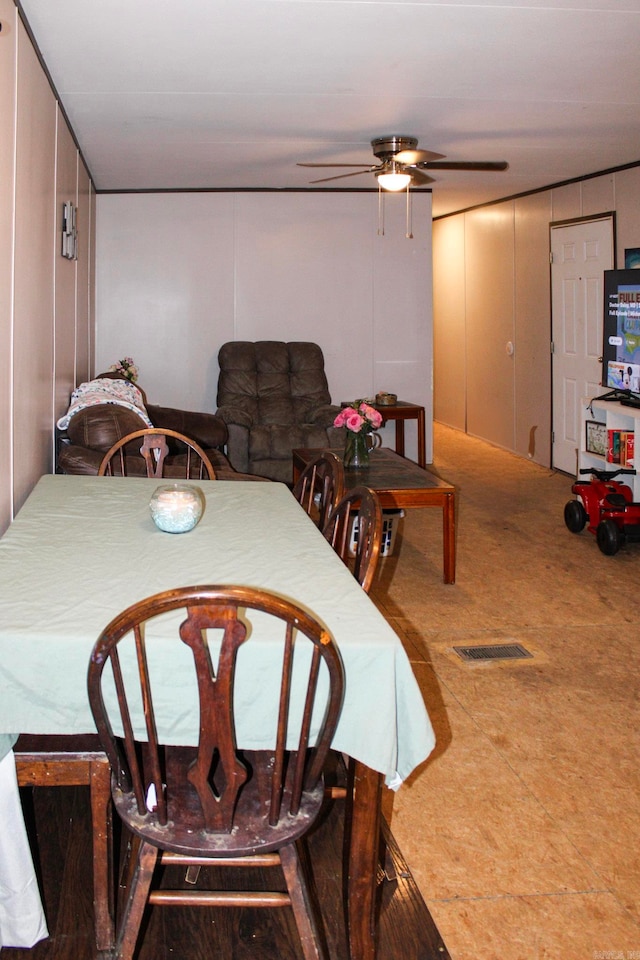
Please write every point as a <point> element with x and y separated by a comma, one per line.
<point>394,181</point>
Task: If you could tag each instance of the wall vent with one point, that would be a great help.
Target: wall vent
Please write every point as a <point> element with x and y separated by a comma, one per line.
<point>493,651</point>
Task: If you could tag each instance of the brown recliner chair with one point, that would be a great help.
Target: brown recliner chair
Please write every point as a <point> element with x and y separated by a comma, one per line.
<point>274,397</point>
<point>93,431</point>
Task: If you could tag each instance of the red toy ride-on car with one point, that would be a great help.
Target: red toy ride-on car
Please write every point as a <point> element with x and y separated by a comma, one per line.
<point>607,506</point>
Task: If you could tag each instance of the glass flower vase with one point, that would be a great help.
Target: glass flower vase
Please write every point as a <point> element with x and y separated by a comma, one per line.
<point>356,450</point>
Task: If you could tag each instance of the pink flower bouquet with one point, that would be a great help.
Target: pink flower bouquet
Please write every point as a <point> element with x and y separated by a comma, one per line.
<point>126,368</point>
<point>360,417</point>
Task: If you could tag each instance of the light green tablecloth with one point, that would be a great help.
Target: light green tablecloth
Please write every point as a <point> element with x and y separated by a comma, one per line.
<point>7,740</point>
<point>84,548</point>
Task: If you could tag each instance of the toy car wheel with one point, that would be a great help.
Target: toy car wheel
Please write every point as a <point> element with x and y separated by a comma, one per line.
<point>609,536</point>
<point>575,516</point>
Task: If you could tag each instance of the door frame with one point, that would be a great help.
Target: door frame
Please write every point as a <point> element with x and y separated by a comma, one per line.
<point>605,215</point>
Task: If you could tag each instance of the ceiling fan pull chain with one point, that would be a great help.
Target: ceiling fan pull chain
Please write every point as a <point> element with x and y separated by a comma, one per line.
<point>380,211</point>
<point>409,233</point>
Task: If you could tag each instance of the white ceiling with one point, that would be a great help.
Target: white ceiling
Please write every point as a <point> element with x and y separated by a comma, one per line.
<point>232,93</point>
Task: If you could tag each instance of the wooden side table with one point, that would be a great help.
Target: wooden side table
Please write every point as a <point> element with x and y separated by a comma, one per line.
<point>401,411</point>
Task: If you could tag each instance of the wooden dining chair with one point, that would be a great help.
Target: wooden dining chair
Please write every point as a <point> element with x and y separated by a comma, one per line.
<point>362,507</point>
<point>320,486</point>
<point>191,462</point>
<point>210,804</point>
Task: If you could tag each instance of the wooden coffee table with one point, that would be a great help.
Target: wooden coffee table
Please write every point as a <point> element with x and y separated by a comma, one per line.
<point>400,484</point>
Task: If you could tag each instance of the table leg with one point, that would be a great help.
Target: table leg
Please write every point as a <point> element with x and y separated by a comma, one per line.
<point>449,537</point>
<point>362,838</point>
<point>400,437</point>
<point>66,761</point>
<point>103,884</point>
<point>422,451</point>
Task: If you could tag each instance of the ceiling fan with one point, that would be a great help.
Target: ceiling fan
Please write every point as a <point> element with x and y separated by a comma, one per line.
<point>401,164</point>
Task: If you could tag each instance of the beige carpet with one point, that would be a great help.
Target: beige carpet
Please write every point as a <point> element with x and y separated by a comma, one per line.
<point>522,831</point>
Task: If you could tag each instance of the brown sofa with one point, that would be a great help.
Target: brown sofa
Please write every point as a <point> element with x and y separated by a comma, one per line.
<point>93,431</point>
<point>274,397</point>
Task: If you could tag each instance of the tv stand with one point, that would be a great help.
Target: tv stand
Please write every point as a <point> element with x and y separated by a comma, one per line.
<point>623,415</point>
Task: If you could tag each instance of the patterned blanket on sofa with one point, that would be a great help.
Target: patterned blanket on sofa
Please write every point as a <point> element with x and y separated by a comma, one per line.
<point>122,392</point>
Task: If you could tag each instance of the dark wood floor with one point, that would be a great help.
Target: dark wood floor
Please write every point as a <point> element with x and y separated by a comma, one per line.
<point>60,818</point>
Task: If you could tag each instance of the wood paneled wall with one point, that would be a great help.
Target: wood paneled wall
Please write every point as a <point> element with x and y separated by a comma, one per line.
<point>8,58</point>
<point>45,299</point>
<point>491,287</point>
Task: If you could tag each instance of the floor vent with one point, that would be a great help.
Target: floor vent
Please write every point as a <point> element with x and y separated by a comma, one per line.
<point>494,651</point>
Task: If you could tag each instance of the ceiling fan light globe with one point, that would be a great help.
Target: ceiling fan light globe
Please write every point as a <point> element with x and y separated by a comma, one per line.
<point>394,181</point>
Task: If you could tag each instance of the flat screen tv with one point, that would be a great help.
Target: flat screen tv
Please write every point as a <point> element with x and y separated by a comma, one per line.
<point>621,330</point>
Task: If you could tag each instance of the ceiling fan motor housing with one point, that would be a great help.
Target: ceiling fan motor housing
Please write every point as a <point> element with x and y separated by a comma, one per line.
<point>386,147</point>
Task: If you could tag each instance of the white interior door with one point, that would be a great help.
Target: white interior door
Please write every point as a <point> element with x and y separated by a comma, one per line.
<point>580,253</point>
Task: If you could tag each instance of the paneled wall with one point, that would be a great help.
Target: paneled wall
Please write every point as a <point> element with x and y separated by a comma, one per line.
<point>45,302</point>
<point>33,316</point>
<point>8,56</point>
<point>180,274</point>
<point>85,285</point>
<point>490,323</point>
<point>450,332</point>
<point>491,288</point>
<point>532,327</point>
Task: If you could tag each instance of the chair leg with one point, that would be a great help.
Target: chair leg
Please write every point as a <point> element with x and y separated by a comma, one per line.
<point>302,904</point>
<point>138,895</point>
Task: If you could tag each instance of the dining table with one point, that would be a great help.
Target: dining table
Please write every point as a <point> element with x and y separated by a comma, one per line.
<point>83,548</point>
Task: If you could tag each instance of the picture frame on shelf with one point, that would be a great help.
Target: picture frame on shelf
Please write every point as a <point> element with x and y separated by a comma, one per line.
<point>596,438</point>
<point>632,258</point>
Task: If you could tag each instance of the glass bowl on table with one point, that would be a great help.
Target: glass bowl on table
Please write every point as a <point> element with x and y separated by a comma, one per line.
<point>176,507</point>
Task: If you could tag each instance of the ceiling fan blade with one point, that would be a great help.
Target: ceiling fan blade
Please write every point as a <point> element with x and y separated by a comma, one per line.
<point>465,165</point>
<point>341,176</point>
<point>332,165</point>
<point>417,156</point>
<point>418,177</point>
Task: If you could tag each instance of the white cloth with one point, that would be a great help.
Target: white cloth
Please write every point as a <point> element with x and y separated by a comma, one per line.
<point>104,390</point>
<point>22,921</point>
